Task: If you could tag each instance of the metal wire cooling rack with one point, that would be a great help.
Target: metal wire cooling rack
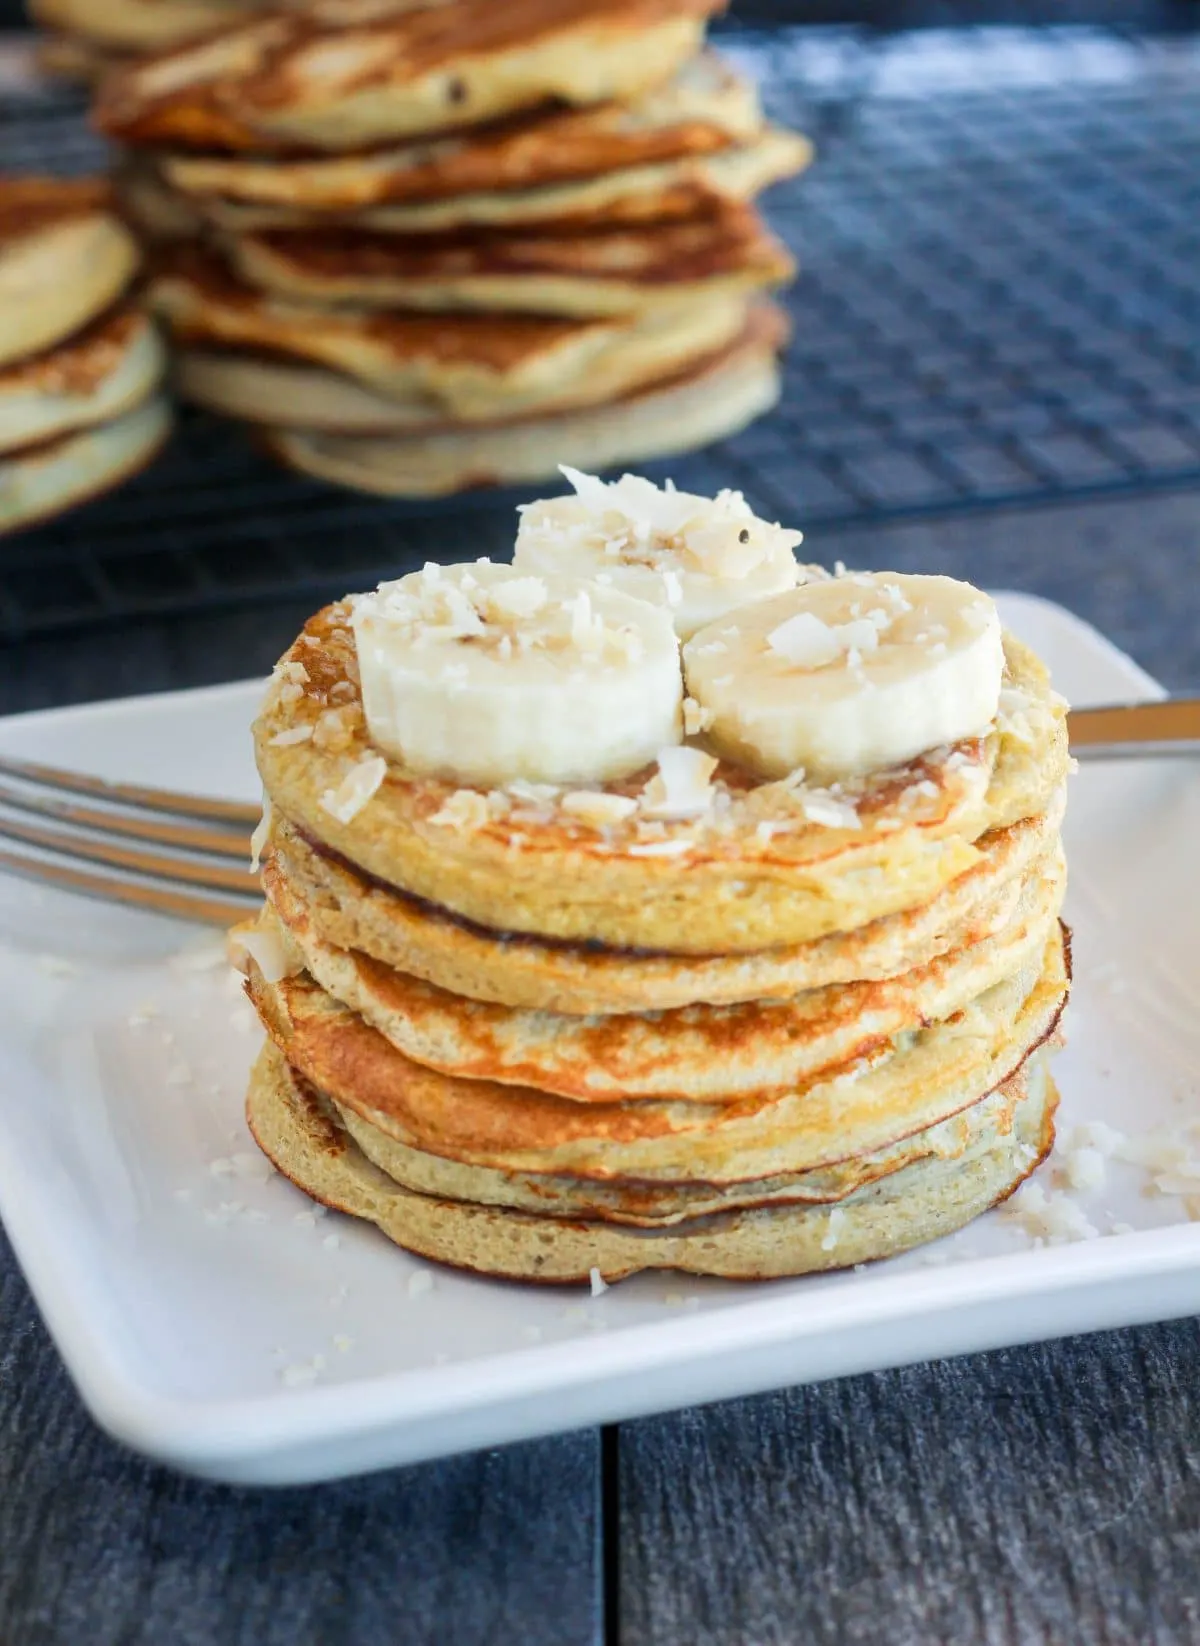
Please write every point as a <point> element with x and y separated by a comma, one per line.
<point>999,305</point>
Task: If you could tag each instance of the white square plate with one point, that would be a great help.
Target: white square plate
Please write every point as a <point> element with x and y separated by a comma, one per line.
<point>212,1320</point>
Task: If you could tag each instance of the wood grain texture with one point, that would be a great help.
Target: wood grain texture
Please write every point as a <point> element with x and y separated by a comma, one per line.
<point>99,1548</point>
<point>1048,1494</point>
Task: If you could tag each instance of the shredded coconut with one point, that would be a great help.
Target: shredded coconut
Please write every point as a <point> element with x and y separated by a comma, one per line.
<point>354,791</point>
<point>465,810</point>
<point>1052,1217</point>
<point>829,811</point>
<point>261,835</point>
<point>1085,1169</point>
<point>268,951</point>
<point>697,717</point>
<point>829,1239</point>
<point>597,808</point>
<point>291,736</point>
<point>682,786</point>
<point>334,728</point>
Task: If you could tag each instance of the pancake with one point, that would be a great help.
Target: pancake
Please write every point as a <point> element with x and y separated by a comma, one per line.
<point>720,1054</point>
<point>43,480</point>
<point>160,215</point>
<point>714,399</point>
<point>346,911</point>
<point>103,371</point>
<point>264,388</point>
<point>703,109</point>
<point>64,258</point>
<point>638,1204</point>
<point>347,74</point>
<point>455,368</point>
<point>755,873</point>
<point>136,26</point>
<point>604,271</point>
<point>669,191</point>
<point>914,1081</point>
<point>300,1131</point>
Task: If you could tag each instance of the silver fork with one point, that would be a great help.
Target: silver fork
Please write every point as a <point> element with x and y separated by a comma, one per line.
<point>177,854</point>
<point>195,878</point>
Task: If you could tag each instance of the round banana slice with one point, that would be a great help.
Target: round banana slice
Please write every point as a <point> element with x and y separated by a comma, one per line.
<point>699,556</point>
<point>849,676</point>
<point>485,674</point>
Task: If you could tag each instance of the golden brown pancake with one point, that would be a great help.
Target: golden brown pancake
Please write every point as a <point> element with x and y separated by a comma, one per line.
<point>104,370</point>
<point>346,910</point>
<point>685,149</point>
<point>909,1083</point>
<point>723,886</point>
<point>346,74</point>
<point>462,368</point>
<point>99,374</point>
<point>705,108</point>
<point>257,387</point>
<point>714,398</point>
<point>663,192</point>
<point>64,258</point>
<point>701,1052</point>
<point>602,271</point>
<point>137,26</point>
<point>302,1133</point>
<point>646,1205</point>
<point>162,216</point>
<point>43,480</point>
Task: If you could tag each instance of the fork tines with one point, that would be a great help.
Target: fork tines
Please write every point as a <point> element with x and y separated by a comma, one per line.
<point>177,854</point>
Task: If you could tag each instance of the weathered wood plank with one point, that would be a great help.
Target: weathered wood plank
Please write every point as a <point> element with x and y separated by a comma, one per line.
<point>100,1548</point>
<point>1046,1494</point>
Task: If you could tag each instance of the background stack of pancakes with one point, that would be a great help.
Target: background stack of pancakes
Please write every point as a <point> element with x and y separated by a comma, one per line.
<point>80,361</point>
<point>423,247</point>
<point>535,1043</point>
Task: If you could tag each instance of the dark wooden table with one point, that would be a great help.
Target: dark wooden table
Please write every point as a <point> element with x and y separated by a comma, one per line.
<point>1047,1494</point>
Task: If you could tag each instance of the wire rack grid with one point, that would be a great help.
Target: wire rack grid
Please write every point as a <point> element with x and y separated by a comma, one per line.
<point>999,305</point>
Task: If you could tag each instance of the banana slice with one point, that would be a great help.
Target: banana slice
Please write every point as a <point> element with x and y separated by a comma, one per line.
<point>700,557</point>
<point>485,674</point>
<point>849,676</point>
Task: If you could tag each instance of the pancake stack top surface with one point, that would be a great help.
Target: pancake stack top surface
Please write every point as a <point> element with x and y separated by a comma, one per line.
<point>80,362</point>
<point>658,902</point>
<point>428,247</point>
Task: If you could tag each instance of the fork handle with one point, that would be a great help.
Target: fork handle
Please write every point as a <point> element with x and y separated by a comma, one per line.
<point>1167,727</point>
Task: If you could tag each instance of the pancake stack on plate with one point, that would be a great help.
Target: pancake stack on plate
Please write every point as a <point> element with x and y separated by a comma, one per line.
<point>680,998</point>
<point>422,248</point>
<point>80,361</point>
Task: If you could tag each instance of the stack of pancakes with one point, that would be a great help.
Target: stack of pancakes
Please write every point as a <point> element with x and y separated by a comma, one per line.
<point>80,361</point>
<point>533,1044</point>
<point>424,247</point>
